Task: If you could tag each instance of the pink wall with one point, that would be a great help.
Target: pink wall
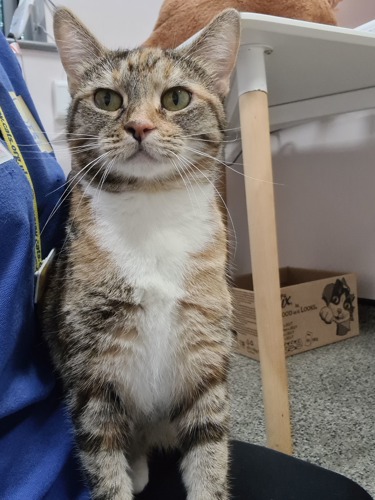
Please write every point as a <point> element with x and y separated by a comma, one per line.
<point>352,13</point>
<point>122,23</point>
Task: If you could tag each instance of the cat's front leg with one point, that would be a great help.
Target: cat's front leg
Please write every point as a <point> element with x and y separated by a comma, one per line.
<point>203,436</point>
<point>102,434</point>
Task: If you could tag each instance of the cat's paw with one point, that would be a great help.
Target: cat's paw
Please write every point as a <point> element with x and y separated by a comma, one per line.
<point>326,314</point>
<point>139,474</point>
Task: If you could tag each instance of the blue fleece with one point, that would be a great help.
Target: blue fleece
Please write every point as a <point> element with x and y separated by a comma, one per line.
<point>37,458</point>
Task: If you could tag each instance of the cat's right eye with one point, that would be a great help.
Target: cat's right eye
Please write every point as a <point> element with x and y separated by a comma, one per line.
<point>107,99</point>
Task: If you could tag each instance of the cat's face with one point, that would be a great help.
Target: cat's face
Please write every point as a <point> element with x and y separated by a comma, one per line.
<point>341,308</point>
<point>339,299</point>
<point>147,114</point>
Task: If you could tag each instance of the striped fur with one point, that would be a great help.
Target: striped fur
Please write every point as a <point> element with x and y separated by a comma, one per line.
<point>138,312</point>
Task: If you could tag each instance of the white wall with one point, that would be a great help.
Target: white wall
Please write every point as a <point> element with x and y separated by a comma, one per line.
<point>352,13</point>
<point>324,174</point>
<point>116,23</point>
<point>40,70</point>
<point>325,198</point>
<point>326,204</point>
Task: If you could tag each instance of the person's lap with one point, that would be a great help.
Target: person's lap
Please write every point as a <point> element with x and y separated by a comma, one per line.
<point>257,473</point>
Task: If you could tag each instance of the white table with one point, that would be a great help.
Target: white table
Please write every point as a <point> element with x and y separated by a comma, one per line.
<point>288,71</point>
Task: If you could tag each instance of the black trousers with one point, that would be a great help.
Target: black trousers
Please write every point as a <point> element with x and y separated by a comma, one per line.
<point>257,473</point>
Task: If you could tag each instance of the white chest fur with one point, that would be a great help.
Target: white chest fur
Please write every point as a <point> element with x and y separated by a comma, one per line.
<point>151,238</point>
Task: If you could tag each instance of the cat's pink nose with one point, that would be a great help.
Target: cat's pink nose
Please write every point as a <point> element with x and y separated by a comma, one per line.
<point>139,129</point>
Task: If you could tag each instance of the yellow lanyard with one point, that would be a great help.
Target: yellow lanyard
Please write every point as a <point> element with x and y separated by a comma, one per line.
<point>15,151</point>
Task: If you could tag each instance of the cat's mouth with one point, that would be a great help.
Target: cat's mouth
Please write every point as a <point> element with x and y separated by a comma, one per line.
<point>145,163</point>
<point>341,317</point>
<point>142,154</point>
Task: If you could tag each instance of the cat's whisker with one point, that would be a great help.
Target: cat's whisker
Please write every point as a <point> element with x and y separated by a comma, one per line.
<point>79,149</point>
<point>184,181</point>
<point>86,141</point>
<point>63,186</point>
<point>59,203</point>
<point>54,141</point>
<point>82,197</point>
<point>213,141</point>
<point>45,134</point>
<point>107,171</point>
<point>229,129</point>
<point>102,167</point>
<point>180,174</point>
<point>80,134</point>
<point>68,182</point>
<point>206,155</point>
<point>193,165</point>
<point>187,164</point>
<point>29,154</point>
<point>221,131</point>
<point>192,177</point>
<point>66,194</point>
<point>103,177</point>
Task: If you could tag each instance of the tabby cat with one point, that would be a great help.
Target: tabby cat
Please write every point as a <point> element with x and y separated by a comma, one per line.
<point>137,314</point>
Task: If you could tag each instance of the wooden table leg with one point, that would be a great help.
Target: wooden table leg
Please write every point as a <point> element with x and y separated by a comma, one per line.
<point>265,267</point>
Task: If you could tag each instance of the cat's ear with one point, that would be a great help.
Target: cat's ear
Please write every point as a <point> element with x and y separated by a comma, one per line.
<point>78,48</point>
<point>216,48</point>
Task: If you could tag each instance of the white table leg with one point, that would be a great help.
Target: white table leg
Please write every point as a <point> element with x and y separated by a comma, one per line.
<point>255,132</point>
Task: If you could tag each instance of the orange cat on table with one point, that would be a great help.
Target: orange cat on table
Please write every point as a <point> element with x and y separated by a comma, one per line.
<point>178,20</point>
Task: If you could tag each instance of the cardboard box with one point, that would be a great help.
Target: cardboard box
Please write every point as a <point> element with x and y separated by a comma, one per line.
<point>318,308</point>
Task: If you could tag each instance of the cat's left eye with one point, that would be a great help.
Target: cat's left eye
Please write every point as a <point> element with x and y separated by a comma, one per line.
<point>108,99</point>
<point>176,99</point>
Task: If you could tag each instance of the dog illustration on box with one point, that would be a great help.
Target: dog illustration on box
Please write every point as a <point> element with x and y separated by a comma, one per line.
<point>339,306</point>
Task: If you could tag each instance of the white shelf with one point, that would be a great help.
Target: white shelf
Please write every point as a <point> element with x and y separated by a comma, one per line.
<point>314,70</point>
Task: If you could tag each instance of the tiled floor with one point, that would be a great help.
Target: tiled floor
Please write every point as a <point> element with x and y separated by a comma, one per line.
<point>332,394</point>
